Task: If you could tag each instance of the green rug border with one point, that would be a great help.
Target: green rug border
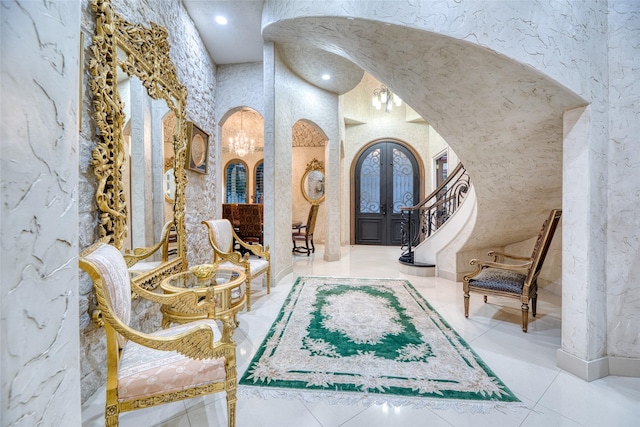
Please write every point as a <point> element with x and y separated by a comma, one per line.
<point>462,397</point>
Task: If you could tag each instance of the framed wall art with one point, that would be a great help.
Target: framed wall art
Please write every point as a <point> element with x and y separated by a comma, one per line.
<point>197,148</point>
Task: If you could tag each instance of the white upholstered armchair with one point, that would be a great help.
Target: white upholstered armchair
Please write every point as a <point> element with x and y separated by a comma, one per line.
<point>172,364</point>
<point>222,239</point>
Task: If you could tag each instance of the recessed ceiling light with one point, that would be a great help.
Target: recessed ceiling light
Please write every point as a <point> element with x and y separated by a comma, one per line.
<point>221,20</point>
<point>326,77</point>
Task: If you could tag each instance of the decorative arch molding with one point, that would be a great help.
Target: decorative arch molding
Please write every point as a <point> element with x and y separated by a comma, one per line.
<point>305,133</point>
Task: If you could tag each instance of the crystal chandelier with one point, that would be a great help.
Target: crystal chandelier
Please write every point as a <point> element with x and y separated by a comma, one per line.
<point>241,144</point>
<point>383,96</point>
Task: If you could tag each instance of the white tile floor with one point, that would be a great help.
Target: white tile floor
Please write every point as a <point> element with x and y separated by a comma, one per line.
<point>526,363</point>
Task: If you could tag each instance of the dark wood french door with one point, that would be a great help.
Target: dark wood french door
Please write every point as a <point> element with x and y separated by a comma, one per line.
<point>386,178</point>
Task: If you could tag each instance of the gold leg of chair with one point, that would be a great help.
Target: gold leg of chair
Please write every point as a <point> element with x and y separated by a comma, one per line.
<point>231,388</point>
<point>525,317</point>
<point>269,280</point>
<point>231,413</point>
<point>247,290</point>
<point>231,404</point>
<point>111,414</point>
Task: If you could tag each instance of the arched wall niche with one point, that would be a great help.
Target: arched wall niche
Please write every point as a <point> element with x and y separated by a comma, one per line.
<point>251,123</point>
<point>308,142</point>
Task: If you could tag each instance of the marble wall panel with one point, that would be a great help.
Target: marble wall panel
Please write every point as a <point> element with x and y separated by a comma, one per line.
<point>39,346</point>
<point>623,196</point>
<point>583,284</point>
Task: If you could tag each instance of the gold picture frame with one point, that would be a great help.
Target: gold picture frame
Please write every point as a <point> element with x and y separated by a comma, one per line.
<point>197,148</point>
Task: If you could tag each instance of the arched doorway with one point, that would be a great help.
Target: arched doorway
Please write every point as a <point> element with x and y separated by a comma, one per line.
<point>387,177</point>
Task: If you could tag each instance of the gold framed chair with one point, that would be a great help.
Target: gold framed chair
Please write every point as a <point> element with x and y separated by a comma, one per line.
<point>519,280</point>
<point>304,233</point>
<point>222,238</point>
<point>138,263</point>
<point>148,369</point>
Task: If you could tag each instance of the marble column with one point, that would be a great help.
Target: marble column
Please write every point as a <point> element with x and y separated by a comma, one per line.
<point>332,200</point>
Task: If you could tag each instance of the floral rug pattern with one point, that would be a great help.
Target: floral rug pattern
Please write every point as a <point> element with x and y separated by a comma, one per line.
<point>350,340</point>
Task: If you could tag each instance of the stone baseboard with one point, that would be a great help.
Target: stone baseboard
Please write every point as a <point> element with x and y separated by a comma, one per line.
<point>590,370</point>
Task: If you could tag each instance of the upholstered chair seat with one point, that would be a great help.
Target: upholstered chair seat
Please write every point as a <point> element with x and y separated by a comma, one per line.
<point>499,280</point>
<point>257,265</point>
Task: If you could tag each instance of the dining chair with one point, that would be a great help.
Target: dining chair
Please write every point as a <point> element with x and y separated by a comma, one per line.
<point>304,233</point>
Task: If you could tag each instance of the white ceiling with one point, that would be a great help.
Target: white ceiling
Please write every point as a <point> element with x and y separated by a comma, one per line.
<point>240,41</point>
<point>237,42</point>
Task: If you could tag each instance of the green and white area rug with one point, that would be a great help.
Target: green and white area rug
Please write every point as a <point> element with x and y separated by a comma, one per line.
<point>351,340</point>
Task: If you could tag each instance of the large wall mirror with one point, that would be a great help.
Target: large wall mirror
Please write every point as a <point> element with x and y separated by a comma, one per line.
<point>139,159</point>
<point>312,183</point>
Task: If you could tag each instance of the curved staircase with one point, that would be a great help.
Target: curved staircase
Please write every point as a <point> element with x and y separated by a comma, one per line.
<point>438,222</point>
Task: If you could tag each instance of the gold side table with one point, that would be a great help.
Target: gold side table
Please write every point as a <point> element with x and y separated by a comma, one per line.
<point>229,294</point>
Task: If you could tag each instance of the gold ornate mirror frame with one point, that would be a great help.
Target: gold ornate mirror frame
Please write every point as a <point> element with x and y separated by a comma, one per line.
<point>144,53</point>
<point>312,182</point>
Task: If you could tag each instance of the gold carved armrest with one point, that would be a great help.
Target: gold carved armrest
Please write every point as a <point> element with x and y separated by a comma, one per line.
<point>255,248</point>
<point>196,343</point>
<point>145,252</point>
<point>232,257</point>
<point>496,255</point>
<point>141,253</point>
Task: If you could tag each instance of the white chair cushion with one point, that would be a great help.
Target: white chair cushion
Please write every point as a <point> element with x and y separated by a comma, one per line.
<point>146,372</point>
<point>142,267</point>
<point>256,265</point>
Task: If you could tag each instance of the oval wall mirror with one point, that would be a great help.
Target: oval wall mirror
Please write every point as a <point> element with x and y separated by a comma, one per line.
<point>312,183</point>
